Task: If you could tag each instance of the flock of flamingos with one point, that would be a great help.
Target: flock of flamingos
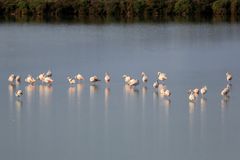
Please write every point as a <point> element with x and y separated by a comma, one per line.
<point>46,78</point>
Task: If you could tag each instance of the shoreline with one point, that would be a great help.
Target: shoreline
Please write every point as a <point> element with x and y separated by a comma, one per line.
<point>120,9</point>
<point>106,20</point>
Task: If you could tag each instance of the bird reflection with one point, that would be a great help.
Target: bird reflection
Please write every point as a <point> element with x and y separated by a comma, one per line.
<point>155,95</point>
<point>71,94</point>
<point>203,103</point>
<point>80,87</point>
<point>29,90</point>
<point>224,105</point>
<point>133,91</point>
<point>126,89</point>
<point>191,107</point>
<point>224,101</point>
<point>45,92</point>
<point>130,93</point>
<point>155,98</point>
<point>166,102</point>
<point>18,83</point>
<point>106,105</point>
<point>106,97</point>
<point>18,104</point>
<point>11,89</point>
<point>71,90</point>
<point>93,89</point>
<point>144,90</point>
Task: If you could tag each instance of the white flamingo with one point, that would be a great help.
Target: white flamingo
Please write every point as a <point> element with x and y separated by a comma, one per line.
<point>133,82</point>
<point>196,92</point>
<point>79,77</point>
<point>30,79</point>
<point>11,78</point>
<point>225,91</point>
<point>19,93</point>
<point>191,96</point>
<point>48,80</point>
<point>229,76</point>
<point>155,84</point>
<point>144,77</point>
<point>162,76</point>
<point>126,78</point>
<point>107,78</point>
<point>203,90</point>
<point>41,77</point>
<point>71,80</point>
<point>18,79</point>
<point>94,79</point>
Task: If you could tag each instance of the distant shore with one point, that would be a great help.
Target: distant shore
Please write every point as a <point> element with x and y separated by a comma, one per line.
<point>120,8</point>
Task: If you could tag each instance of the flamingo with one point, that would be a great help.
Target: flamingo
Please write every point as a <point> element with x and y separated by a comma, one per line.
<point>225,91</point>
<point>196,92</point>
<point>107,78</point>
<point>48,80</point>
<point>155,84</point>
<point>19,93</point>
<point>191,96</point>
<point>162,76</point>
<point>133,82</point>
<point>229,76</point>
<point>203,90</point>
<point>11,78</point>
<point>79,77</point>
<point>18,79</point>
<point>94,79</point>
<point>126,78</point>
<point>71,80</point>
<point>144,77</point>
<point>30,80</point>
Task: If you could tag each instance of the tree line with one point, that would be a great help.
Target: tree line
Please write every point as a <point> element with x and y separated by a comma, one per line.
<point>120,8</point>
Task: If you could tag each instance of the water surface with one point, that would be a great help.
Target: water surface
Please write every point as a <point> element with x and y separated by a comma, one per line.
<point>112,121</point>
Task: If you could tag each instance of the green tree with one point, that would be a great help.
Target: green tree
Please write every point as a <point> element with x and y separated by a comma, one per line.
<point>221,7</point>
<point>183,7</point>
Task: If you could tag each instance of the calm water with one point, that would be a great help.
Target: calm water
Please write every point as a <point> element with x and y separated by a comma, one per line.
<point>112,122</point>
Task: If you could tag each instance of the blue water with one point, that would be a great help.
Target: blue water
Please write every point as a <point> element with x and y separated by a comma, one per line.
<point>112,121</point>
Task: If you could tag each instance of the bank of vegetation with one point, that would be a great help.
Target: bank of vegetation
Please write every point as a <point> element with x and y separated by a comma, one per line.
<point>119,8</point>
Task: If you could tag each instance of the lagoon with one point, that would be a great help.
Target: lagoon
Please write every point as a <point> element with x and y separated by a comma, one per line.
<point>112,122</point>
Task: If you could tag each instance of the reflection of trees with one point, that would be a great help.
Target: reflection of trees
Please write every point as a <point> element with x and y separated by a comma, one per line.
<point>127,9</point>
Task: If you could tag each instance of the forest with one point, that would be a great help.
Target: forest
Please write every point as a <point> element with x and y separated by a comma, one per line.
<point>119,8</point>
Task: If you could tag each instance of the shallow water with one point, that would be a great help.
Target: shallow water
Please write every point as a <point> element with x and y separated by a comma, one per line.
<point>112,121</point>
